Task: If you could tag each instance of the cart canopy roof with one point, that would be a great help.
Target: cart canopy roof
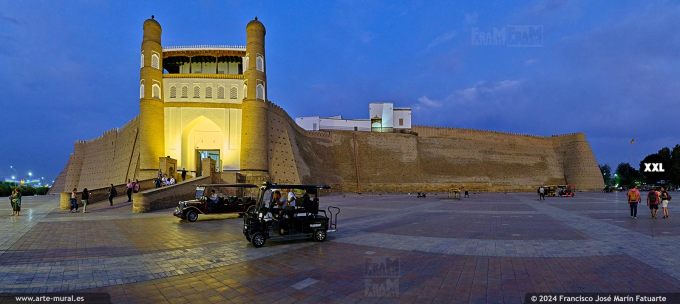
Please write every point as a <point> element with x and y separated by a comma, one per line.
<point>295,186</point>
<point>239,185</point>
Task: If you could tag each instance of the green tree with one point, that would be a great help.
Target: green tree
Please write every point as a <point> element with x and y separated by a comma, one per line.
<point>652,177</point>
<point>674,167</point>
<point>671,165</point>
<point>607,174</point>
<point>627,174</point>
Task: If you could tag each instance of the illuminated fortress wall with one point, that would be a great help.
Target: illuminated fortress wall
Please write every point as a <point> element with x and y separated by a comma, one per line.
<point>437,159</point>
<point>201,101</point>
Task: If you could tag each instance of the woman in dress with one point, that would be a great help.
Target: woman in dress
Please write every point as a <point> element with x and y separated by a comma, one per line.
<point>16,202</point>
<point>11,203</point>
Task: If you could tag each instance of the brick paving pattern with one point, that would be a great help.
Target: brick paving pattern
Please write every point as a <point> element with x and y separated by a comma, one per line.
<point>491,248</point>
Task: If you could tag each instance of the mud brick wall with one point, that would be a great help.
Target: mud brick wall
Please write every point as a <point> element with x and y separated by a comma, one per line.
<point>578,161</point>
<point>282,165</point>
<point>429,159</point>
<point>109,159</point>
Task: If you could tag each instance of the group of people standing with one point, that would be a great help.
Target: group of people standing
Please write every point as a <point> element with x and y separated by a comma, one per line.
<point>163,180</point>
<point>655,197</point>
<point>132,186</point>
<point>15,201</point>
<point>84,198</point>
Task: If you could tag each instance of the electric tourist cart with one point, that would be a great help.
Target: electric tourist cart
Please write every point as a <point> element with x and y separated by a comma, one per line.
<point>217,199</point>
<point>288,212</point>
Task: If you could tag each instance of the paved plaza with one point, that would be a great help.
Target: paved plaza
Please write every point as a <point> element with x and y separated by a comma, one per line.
<point>490,248</point>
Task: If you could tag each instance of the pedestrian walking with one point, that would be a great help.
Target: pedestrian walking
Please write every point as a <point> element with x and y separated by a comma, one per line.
<point>74,200</point>
<point>15,199</point>
<point>541,193</point>
<point>653,201</point>
<point>84,197</point>
<point>136,187</point>
<point>633,201</point>
<point>112,194</point>
<point>130,185</point>
<point>11,202</point>
<point>665,199</point>
<point>184,174</point>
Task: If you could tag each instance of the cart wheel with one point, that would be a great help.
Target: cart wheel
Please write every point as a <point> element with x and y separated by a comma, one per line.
<point>258,239</point>
<point>192,215</point>
<point>320,235</point>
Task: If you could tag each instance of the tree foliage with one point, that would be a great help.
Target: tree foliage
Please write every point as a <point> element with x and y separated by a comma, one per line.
<point>7,188</point>
<point>670,158</point>
<point>628,175</point>
<point>607,175</point>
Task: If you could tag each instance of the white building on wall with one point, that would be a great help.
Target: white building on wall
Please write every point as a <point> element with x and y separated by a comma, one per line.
<point>384,117</point>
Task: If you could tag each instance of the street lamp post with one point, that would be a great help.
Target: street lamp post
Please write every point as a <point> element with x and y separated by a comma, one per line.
<point>14,171</point>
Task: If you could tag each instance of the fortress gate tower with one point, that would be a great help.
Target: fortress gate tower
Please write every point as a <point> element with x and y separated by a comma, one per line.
<point>203,101</point>
<point>255,135</point>
<point>151,114</point>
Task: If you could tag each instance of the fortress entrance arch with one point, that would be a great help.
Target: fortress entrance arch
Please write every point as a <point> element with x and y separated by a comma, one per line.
<point>201,138</point>
<point>192,130</point>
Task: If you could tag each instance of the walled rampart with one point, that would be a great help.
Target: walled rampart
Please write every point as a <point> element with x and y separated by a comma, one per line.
<point>436,159</point>
<point>427,159</point>
<point>109,159</point>
<point>578,161</point>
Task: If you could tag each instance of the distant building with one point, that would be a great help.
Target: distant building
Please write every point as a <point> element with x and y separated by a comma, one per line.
<point>384,117</point>
<point>316,123</point>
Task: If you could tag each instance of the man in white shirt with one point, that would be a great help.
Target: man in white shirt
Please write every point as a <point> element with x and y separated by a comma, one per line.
<point>291,198</point>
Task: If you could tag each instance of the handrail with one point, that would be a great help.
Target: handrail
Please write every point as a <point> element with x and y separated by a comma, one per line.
<point>215,76</point>
<point>204,47</point>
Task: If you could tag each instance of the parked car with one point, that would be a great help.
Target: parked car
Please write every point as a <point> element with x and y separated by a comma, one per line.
<point>274,218</point>
<point>217,199</point>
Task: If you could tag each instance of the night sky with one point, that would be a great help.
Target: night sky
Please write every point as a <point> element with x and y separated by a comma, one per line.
<point>70,69</point>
